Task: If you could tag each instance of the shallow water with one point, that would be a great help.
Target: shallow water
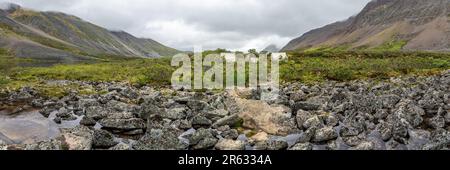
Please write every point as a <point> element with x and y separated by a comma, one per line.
<point>30,126</point>
<point>27,127</point>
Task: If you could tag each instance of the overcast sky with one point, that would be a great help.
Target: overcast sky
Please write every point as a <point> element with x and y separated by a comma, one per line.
<point>231,24</point>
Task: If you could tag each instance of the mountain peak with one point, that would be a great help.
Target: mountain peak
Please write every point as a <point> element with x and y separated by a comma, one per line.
<point>386,24</point>
<point>9,7</point>
<point>271,48</point>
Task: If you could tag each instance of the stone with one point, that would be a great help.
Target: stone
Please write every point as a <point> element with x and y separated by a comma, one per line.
<point>201,122</point>
<point>385,129</point>
<point>196,105</point>
<point>123,124</point>
<point>331,120</point>
<point>87,121</point>
<point>307,106</point>
<point>217,114</point>
<point>436,122</point>
<point>298,96</point>
<point>228,144</point>
<point>261,146</point>
<point>78,138</point>
<point>302,147</point>
<point>277,145</point>
<point>121,147</point>
<point>325,134</point>
<point>273,119</point>
<point>232,121</point>
<point>260,137</point>
<point>85,103</point>
<point>96,112</point>
<point>302,116</point>
<point>203,139</point>
<point>175,113</point>
<point>389,101</point>
<point>57,120</point>
<point>160,139</point>
<point>103,139</point>
<point>46,111</point>
<point>365,146</point>
<point>230,134</point>
<point>313,122</point>
<point>347,131</point>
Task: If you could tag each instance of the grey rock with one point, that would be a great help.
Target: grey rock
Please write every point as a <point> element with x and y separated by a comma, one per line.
<point>121,147</point>
<point>436,122</point>
<point>96,112</point>
<point>389,101</point>
<point>277,145</point>
<point>228,144</point>
<point>201,122</point>
<point>229,120</point>
<point>160,139</point>
<point>298,96</point>
<point>302,147</point>
<point>367,145</point>
<point>307,106</point>
<point>347,131</point>
<point>87,121</point>
<point>78,138</point>
<point>196,105</point>
<point>123,124</point>
<point>440,139</point>
<point>313,122</point>
<point>46,111</point>
<point>230,134</point>
<point>85,103</point>
<point>203,139</point>
<point>302,116</point>
<point>103,139</point>
<point>175,113</point>
<point>325,134</point>
<point>385,129</point>
<point>307,135</point>
<point>217,114</point>
<point>262,145</point>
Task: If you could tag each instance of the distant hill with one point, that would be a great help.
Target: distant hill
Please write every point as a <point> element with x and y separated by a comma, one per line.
<point>388,25</point>
<point>271,48</point>
<point>59,36</point>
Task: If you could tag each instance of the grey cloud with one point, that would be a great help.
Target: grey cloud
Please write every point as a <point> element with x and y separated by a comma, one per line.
<point>234,24</point>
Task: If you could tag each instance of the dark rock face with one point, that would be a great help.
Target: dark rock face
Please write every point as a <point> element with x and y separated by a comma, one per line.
<point>399,114</point>
<point>385,16</point>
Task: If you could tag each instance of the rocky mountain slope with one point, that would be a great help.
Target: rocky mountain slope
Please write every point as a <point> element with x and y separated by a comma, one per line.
<point>54,35</point>
<point>386,24</point>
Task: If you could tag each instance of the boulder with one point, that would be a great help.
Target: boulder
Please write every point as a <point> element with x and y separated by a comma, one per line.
<point>228,144</point>
<point>78,138</point>
<point>103,139</point>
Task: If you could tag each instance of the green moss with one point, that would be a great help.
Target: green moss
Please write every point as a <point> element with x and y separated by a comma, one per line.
<point>395,45</point>
<point>238,124</point>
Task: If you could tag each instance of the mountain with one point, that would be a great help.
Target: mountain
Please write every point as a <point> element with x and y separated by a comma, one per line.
<point>271,48</point>
<point>59,36</point>
<point>385,24</point>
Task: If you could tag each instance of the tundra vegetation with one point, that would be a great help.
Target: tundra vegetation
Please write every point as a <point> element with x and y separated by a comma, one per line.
<point>309,66</point>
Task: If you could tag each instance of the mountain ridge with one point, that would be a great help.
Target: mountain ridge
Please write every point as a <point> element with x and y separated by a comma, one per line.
<point>68,36</point>
<point>411,24</point>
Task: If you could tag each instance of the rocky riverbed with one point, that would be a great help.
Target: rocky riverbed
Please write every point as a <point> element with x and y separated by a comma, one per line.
<point>399,114</point>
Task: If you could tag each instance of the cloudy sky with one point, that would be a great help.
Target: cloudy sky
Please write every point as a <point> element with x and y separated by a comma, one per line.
<point>231,24</point>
